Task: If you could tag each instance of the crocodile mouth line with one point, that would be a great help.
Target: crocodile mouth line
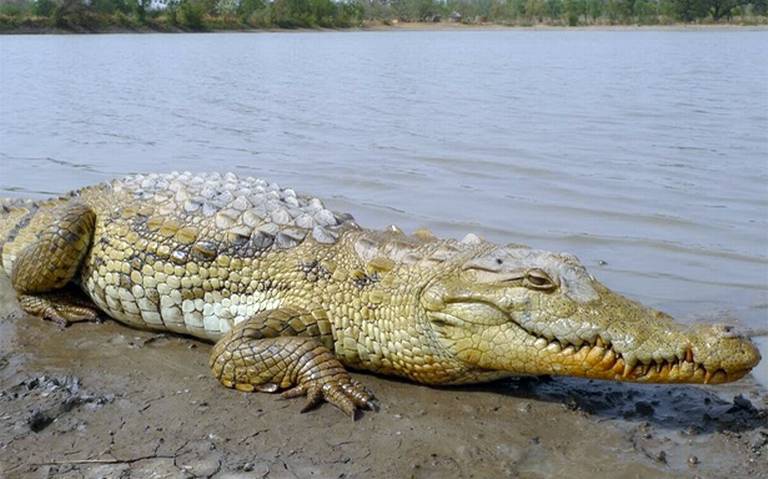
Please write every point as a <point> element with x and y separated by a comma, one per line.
<point>603,356</point>
<point>598,358</point>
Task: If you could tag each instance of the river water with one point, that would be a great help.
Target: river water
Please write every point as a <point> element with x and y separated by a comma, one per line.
<point>645,153</point>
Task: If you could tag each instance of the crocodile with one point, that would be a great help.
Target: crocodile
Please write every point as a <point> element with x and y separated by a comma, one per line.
<point>293,294</point>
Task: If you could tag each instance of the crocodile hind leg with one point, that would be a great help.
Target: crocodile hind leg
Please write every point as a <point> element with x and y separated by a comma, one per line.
<point>50,262</point>
<point>288,350</point>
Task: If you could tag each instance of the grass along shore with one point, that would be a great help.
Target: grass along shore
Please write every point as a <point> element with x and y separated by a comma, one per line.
<point>112,16</point>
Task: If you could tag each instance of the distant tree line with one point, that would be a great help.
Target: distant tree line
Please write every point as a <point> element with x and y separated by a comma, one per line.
<point>564,12</point>
<point>198,15</point>
<point>162,15</point>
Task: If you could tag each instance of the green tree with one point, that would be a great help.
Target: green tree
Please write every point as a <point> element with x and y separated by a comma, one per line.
<point>13,9</point>
<point>720,9</point>
<point>139,8</point>
<point>428,8</point>
<point>193,13</point>
<point>102,6</point>
<point>613,10</point>
<point>247,7</point>
<point>689,10</point>
<point>349,14</point>
<point>292,13</point>
<point>594,9</point>
<point>554,8</point>
<point>323,12</point>
<point>43,8</point>
<point>516,8</point>
<point>227,8</point>
<point>535,9</point>
<point>66,9</point>
<point>573,10</point>
<point>647,11</point>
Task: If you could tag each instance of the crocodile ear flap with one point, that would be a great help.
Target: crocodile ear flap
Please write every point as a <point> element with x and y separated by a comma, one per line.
<point>508,278</point>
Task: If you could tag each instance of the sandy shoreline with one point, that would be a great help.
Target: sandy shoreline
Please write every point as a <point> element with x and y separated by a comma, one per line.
<point>413,27</point>
<point>102,400</point>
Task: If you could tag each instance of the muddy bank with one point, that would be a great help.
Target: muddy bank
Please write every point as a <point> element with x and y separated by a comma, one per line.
<point>102,400</point>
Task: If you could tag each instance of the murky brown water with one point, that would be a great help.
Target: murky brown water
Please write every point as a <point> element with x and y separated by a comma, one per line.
<point>644,153</point>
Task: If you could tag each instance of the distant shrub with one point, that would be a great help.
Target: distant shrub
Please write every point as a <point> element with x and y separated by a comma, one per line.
<point>8,23</point>
<point>349,14</point>
<point>123,20</point>
<point>261,18</point>
<point>221,22</point>
<point>292,14</point>
<point>14,10</point>
<point>246,8</point>
<point>43,8</point>
<point>192,14</point>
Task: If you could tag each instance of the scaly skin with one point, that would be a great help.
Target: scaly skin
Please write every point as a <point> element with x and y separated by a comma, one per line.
<point>293,293</point>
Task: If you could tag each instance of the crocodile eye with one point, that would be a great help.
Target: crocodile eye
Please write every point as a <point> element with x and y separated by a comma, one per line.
<point>538,279</point>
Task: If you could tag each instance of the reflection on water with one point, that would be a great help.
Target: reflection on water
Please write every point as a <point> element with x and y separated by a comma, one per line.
<point>643,150</point>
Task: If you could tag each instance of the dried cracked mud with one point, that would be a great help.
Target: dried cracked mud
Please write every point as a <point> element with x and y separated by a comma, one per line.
<point>105,401</point>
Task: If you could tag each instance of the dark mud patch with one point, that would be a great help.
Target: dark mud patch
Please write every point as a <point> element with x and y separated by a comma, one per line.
<point>53,397</point>
<point>102,400</point>
<point>740,407</point>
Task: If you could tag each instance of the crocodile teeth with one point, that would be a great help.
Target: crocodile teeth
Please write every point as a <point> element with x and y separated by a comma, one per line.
<point>707,376</point>
<point>610,357</point>
<point>599,342</point>
<point>594,355</point>
<point>554,347</point>
<point>689,355</point>
<point>629,365</point>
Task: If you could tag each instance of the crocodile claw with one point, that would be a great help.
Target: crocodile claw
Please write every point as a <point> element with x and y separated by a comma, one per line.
<point>345,393</point>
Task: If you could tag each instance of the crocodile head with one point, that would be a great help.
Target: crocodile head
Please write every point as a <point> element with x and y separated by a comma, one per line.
<point>531,312</point>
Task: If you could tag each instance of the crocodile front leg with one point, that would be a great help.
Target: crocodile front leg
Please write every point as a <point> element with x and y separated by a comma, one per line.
<point>49,263</point>
<point>284,349</point>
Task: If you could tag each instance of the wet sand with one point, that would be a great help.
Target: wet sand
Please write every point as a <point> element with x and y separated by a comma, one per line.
<point>102,400</point>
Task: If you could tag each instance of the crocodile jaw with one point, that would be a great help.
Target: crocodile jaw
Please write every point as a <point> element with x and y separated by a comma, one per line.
<point>707,355</point>
<point>710,357</point>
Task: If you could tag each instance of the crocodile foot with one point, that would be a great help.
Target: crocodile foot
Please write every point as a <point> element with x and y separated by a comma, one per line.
<point>60,308</point>
<point>301,365</point>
